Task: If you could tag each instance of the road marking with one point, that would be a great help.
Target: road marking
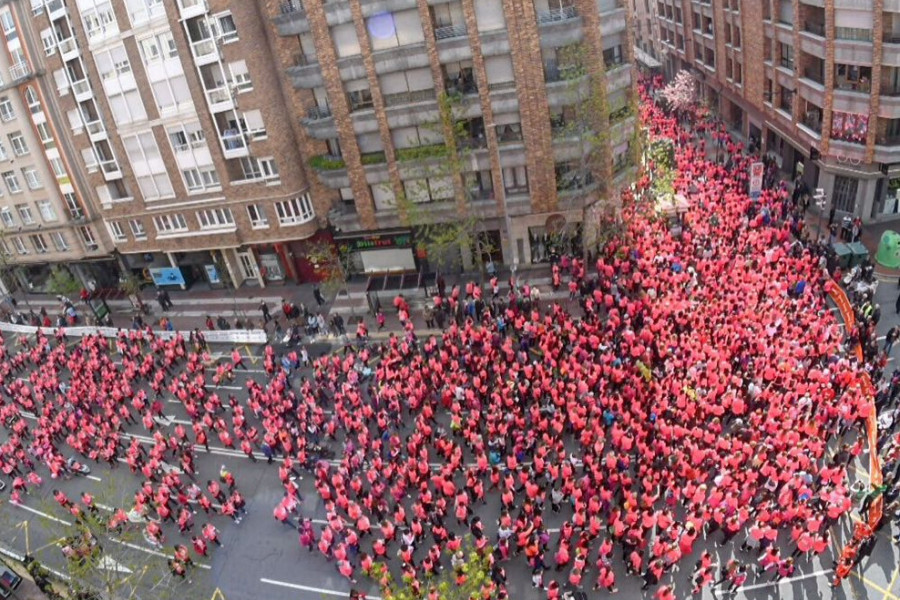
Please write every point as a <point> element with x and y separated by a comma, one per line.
<point>223,387</point>
<point>887,593</point>
<point>891,584</point>
<point>312,589</point>
<point>43,514</point>
<point>757,586</point>
<point>93,478</point>
<point>155,552</point>
<point>252,358</point>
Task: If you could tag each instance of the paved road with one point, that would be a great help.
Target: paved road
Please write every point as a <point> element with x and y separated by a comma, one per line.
<point>262,558</point>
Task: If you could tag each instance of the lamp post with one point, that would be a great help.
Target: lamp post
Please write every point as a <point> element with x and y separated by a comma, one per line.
<point>501,192</point>
<point>821,204</point>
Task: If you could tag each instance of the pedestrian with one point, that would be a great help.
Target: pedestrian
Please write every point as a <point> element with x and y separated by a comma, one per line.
<point>891,337</point>
<point>317,294</point>
<point>209,323</point>
<point>264,308</point>
<point>380,319</point>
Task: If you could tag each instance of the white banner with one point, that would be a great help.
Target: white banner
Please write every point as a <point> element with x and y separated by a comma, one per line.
<point>218,336</point>
<point>757,170</point>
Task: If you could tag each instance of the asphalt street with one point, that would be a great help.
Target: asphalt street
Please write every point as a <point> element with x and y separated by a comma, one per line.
<point>262,558</point>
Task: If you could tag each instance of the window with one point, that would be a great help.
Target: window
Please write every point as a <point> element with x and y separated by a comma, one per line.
<point>2,151</point>
<point>223,24</point>
<point>196,180</point>
<point>116,231</point>
<point>250,167</point>
<point>253,123</point>
<point>268,169</point>
<point>73,206</point>
<point>6,215</point>
<point>4,247</point>
<point>20,148</point>
<point>34,103</point>
<point>215,218</point>
<point>158,47</point>
<point>37,240</point>
<point>137,229</point>
<point>295,211</point>
<point>59,169</point>
<point>149,168</point>
<point>87,237</point>
<point>174,223</point>
<point>9,25</point>
<point>170,91</point>
<point>20,245</point>
<point>7,112</point>
<point>99,22</point>
<point>515,180</point>
<point>141,11</point>
<point>49,42</point>
<point>360,99</point>
<point>127,107</point>
<point>257,216</point>
<point>59,241</point>
<point>844,194</point>
<point>25,214</point>
<point>62,81</point>
<point>48,213</point>
<point>12,182</point>
<point>240,76</point>
<point>32,179</point>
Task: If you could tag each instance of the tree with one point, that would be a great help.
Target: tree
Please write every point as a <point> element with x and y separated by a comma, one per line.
<point>112,564</point>
<point>442,241</point>
<point>332,266</point>
<point>470,579</point>
<point>681,92</point>
<point>62,283</point>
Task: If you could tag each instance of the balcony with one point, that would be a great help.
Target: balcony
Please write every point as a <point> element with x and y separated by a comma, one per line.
<point>68,48</point>
<point>192,8</point>
<point>554,72</point>
<point>556,15</point>
<point>82,90</point>
<point>317,113</point>
<point>20,71</point>
<point>234,144</point>
<point>110,169</point>
<point>220,99</point>
<point>814,28</point>
<point>402,98</point>
<point>813,121</point>
<point>56,9</point>
<point>305,77</point>
<point>450,31</point>
<point>464,87</point>
<point>814,75</point>
<point>205,51</point>
<point>96,130</point>
<point>292,19</point>
<point>853,34</point>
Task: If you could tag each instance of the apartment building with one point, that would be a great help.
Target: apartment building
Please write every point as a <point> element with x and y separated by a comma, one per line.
<point>366,78</point>
<point>43,214</point>
<point>174,158</point>
<point>647,36</point>
<point>825,101</point>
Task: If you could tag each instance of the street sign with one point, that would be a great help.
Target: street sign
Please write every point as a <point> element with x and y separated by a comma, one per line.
<point>756,179</point>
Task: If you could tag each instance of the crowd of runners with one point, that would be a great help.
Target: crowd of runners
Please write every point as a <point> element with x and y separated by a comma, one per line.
<point>694,386</point>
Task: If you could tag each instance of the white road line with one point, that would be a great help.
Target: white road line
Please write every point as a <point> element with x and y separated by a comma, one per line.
<point>43,514</point>
<point>155,552</point>
<point>312,589</point>
<point>93,478</point>
<point>783,581</point>
<point>223,387</point>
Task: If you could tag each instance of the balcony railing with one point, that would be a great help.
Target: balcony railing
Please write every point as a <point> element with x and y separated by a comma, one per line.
<point>863,87</point>
<point>461,86</point>
<point>556,14</point>
<point>501,86</point>
<point>81,87</point>
<point>814,28</point>
<point>301,59</point>
<point>233,141</point>
<point>109,166</point>
<point>204,48</point>
<point>853,34</point>
<point>450,31</point>
<point>814,75</point>
<point>891,38</point>
<point>95,127</point>
<point>555,72</point>
<point>219,95</point>
<point>318,112</point>
<point>787,63</point>
<point>291,6</point>
<point>408,97</point>
<point>814,122</point>
<point>67,45</point>
<point>19,70</point>
<point>54,6</point>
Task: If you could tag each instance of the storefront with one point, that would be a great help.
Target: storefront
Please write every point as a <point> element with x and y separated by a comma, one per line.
<point>378,252</point>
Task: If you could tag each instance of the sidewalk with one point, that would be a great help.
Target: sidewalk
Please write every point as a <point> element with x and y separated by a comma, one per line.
<point>191,307</point>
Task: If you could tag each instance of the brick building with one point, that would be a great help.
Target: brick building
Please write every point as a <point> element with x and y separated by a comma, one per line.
<point>218,141</point>
<point>828,86</point>
<point>367,78</point>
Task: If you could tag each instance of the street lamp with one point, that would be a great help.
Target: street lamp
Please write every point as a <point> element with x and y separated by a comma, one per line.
<point>821,204</point>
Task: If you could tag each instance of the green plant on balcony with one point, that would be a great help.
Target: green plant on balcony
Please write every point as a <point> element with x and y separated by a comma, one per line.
<point>324,162</point>
<point>422,152</point>
<point>373,158</point>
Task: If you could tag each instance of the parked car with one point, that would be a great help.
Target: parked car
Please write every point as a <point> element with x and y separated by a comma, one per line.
<point>9,581</point>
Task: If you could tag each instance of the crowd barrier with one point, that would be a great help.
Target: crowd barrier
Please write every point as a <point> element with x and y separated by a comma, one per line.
<point>216,336</point>
<point>875,478</point>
